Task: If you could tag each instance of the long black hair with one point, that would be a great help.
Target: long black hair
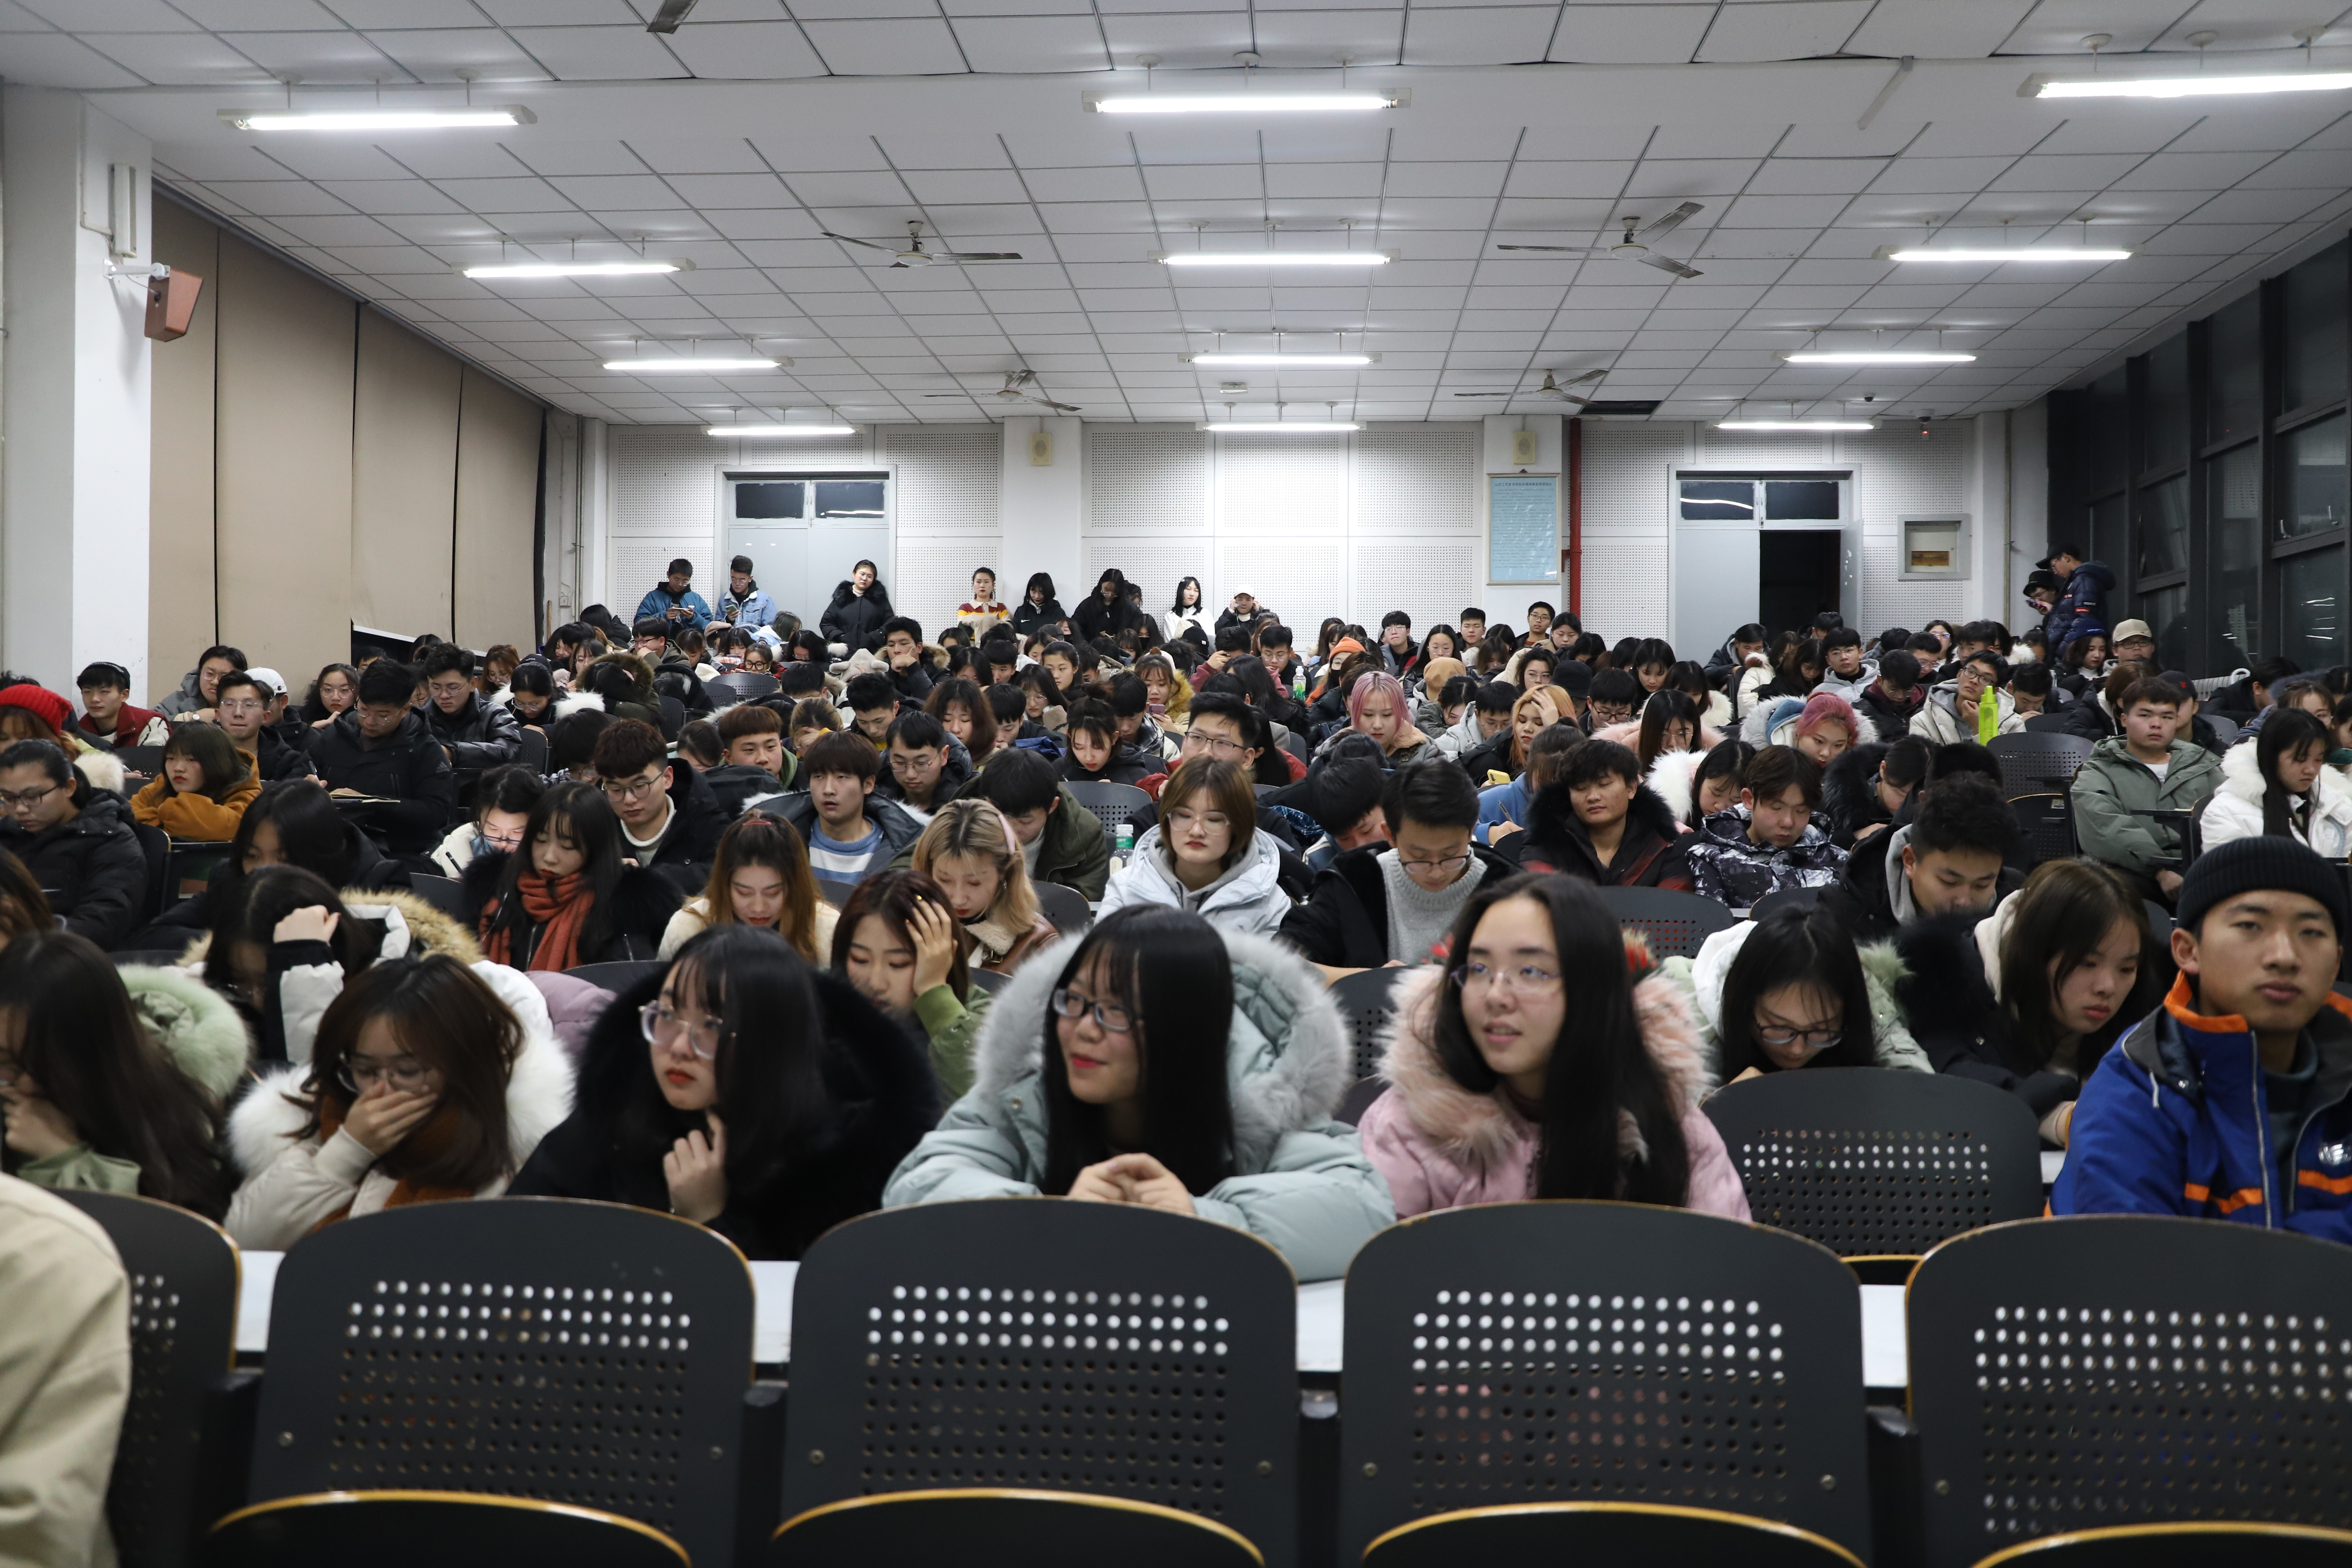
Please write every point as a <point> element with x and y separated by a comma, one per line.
<point>1600,1064</point>
<point>1185,994</point>
<point>2287,732</point>
<point>1807,947</point>
<point>596,828</point>
<point>311,832</point>
<point>70,1025</point>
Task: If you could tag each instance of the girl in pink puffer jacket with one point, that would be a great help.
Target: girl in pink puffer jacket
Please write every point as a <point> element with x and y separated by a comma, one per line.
<point>1483,1108</point>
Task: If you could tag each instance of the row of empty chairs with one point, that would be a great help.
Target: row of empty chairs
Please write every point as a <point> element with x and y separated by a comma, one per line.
<point>1551,1381</point>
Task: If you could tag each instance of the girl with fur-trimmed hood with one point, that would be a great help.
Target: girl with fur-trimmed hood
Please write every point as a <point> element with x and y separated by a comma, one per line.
<point>1792,990</point>
<point>1201,1082</point>
<point>1494,1095</point>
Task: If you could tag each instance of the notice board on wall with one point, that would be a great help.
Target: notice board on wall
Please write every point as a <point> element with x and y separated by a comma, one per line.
<point>1523,528</point>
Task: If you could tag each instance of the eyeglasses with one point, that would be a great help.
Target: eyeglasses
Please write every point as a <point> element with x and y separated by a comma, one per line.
<point>243,704</point>
<point>1522,980</point>
<point>1814,1039</point>
<point>1212,820</point>
<point>27,799</point>
<point>1216,746</point>
<point>1450,863</point>
<point>662,1026</point>
<point>506,841</point>
<point>1110,1017</point>
<point>624,789</point>
<point>407,1076</point>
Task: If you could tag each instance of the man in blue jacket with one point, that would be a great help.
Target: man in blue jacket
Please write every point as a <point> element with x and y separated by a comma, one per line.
<point>2081,603</point>
<point>674,602</point>
<point>745,603</point>
<point>2231,1101</point>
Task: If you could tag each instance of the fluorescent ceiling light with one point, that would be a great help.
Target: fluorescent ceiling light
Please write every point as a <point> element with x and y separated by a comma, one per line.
<point>1274,258</point>
<point>2216,85</point>
<point>1796,425</point>
<point>689,366</point>
<point>764,431</point>
<point>2034,253</point>
<point>575,269</point>
<point>1875,356</point>
<point>1242,102</point>
<point>1269,426</point>
<point>378,118</point>
<point>1280,359</point>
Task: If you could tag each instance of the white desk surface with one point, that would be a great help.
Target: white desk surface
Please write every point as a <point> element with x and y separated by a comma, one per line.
<point>1884,1361</point>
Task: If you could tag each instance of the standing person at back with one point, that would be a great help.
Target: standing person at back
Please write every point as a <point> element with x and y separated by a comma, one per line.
<point>672,599</point>
<point>746,605</point>
<point>2146,768</point>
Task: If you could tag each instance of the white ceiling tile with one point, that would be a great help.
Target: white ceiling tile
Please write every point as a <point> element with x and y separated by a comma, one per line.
<point>281,198</point>
<point>1183,39</point>
<point>560,12</point>
<point>600,54</point>
<point>967,187</point>
<point>317,57</point>
<point>1815,176</point>
<point>732,190</point>
<point>2193,172</point>
<point>438,54</point>
<point>227,14</point>
<point>1590,181</point>
<point>1025,44</point>
<point>2059,26</point>
<point>110,15</point>
<point>1446,35</point>
<point>2065,172</point>
<point>1938,176</point>
<point>880,189</point>
<point>509,195</point>
<point>1781,29</point>
<point>1681,178</point>
<point>53,60</point>
<point>2305,169</point>
<point>1629,35</point>
<point>389,196</point>
<point>175,58</point>
<point>760,224</point>
<point>605,192</point>
<point>2264,205</point>
<point>580,157</point>
<point>1938,30</point>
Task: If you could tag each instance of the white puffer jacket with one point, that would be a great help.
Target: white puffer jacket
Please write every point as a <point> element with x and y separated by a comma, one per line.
<point>2236,808</point>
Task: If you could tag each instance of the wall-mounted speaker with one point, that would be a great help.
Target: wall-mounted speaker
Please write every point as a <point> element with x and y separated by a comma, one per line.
<point>1523,449</point>
<point>1041,450</point>
<point>172,304</point>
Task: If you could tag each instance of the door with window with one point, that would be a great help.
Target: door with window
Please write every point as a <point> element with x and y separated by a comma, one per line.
<point>805,532</point>
<point>1771,548</point>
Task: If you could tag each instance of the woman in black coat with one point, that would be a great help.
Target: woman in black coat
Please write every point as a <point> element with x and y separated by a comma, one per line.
<point>1038,610</point>
<point>743,1089</point>
<point>860,605</point>
<point>1106,612</point>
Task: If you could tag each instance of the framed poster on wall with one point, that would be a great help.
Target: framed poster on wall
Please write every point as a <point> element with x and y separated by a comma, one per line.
<point>1523,528</point>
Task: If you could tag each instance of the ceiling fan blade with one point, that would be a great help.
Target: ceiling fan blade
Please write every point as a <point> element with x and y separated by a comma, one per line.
<point>1570,398</point>
<point>672,13</point>
<point>1587,375</point>
<point>1673,220</point>
<point>1668,264</point>
<point>1558,250</point>
<point>1049,403</point>
<point>868,244</point>
<point>975,256</point>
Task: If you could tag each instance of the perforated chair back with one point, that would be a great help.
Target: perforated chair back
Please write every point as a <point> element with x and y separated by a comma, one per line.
<point>1874,1163</point>
<point>1045,1529</point>
<point>1049,1345</point>
<point>743,686</point>
<point>443,893</point>
<point>184,1285</point>
<point>1366,1001</point>
<point>532,753</point>
<point>2046,823</point>
<point>2225,731</point>
<point>574,1352</point>
<point>620,975</point>
<point>2125,1369</point>
<point>449,1530</point>
<point>1676,923</point>
<point>2038,764</point>
<point>1600,1352</point>
<point>1065,907</point>
<point>1785,898</point>
<point>2182,1546</point>
<point>1112,803</point>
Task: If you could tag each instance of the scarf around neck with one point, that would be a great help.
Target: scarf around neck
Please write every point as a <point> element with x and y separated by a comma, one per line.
<point>560,907</point>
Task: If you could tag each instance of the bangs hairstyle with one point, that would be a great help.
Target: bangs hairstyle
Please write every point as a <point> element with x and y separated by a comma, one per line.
<point>1228,790</point>
<point>2286,733</point>
<point>977,828</point>
<point>1666,706</point>
<point>1808,947</point>
<point>760,839</point>
<point>890,896</point>
<point>79,1038</point>
<point>1600,1067</point>
<point>209,747</point>
<point>965,694</point>
<point>447,1017</point>
<point>1372,681</point>
<point>1186,992</point>
<point>581,814</point>
<point>2067,910</point>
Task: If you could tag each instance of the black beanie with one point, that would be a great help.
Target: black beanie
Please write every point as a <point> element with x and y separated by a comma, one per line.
<point>2243,865</point>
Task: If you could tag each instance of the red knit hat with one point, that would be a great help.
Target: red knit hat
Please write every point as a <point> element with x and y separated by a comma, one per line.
<point>48,705</point>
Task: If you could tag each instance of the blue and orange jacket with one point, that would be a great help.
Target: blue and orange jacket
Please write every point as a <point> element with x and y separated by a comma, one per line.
<point>2174,1122</point>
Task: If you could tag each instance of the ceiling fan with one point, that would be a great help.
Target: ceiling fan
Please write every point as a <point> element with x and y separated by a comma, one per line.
<point>1020,387</point>
<point>1631,248</point>
<point>916,255</point>
<point>1549,388</point>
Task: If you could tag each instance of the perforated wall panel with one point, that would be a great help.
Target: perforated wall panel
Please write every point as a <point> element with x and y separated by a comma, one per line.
<point>1147,478</point>
<point>1295,485</point>
<point>1742,449</point>
<point>1157,564</point>
<point>1429,581</point>
<point>637,563</point>
<point>951,478</point>
<point>1625,584</point>
<point>1298,585</point>
<point>1417,480</point>
<point>935,575</point>
<point>845,451</point>
<point>666,481</point>
<point>1628,471</point>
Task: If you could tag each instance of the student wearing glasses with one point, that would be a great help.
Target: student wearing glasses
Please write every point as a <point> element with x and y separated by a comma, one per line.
<point>745,1091</point>
<point>1206,855</point>
<point>1550,1060</point>
<point>568,897</point>
<point>1201,1082</point>
<point>1391,902</point>
<point>1792,991</point>
<point>668,814</point>
<point>1222,727</point>
<point>422,1086</point>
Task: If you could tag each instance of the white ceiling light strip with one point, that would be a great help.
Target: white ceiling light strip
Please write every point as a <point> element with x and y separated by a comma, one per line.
<point>1273,258</point>
<point>1875,356</point>
<point>1242,102</point>
<point>766,432</point>
<point>2039,253</point>
<point>575,269</point>
<point>1272,426</point>
<point>1796,425</point>
<point>1304,361</point>
<point>687,365</point>
<point>2237,85</point>
<point>483,119</point>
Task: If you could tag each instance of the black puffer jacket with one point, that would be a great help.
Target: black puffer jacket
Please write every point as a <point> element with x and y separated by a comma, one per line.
<point>1651,854</point>
<point>92,867</point>
<point>854,619</point>
<point>1948,1006</point>
<point>478,736</point>
<point>1849,797</point>
<point>882,1099</point>
<point>1047,617</point>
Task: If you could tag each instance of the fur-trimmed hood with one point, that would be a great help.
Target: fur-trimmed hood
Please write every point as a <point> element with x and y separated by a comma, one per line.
<point>1482,1131</point>
<point>570,703</point>
<point>267,1122</point>
<point>1551,814</point>
<point>411,928</point>
<point>1674,778</point>
<point>1288,1055</point>
<point>196,1025</point>
<point>1883,973</point>
<point>104,769</point>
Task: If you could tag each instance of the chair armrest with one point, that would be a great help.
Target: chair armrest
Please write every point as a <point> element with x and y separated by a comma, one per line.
<point>1897,1525</point>
<point>760,1470</point>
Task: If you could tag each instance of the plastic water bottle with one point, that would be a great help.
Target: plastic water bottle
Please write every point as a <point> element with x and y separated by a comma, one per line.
<point>1122,844</point>
<point>1298,682</point>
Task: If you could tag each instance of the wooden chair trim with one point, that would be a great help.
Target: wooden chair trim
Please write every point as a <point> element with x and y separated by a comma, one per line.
<point>1667,1511</point>
<point>1080,1499</point>
<point>2024,1549</point>
<point>470,1499</point>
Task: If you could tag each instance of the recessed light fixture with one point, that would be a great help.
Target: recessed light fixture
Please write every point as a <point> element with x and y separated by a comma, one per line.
<point>1997,257</point>
<point>489,118</point>
<point>2215,85</point>
<point>764,432</point>
<point>687,365</point>
<point>1875,356</point>
<point>1270,427</point>
<point>1303,360</point>
<point>1796,425</point>
<point>1273,258</point>
<point>1242,102</point>
<point>575,269</point>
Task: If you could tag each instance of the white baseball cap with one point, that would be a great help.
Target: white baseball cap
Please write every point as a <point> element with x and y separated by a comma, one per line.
<point>270,678</point>
<point>1241,592</point>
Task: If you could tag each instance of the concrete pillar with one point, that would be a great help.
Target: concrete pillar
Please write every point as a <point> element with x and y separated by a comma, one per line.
<point>74,493</point>
<point>1043,505</point>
